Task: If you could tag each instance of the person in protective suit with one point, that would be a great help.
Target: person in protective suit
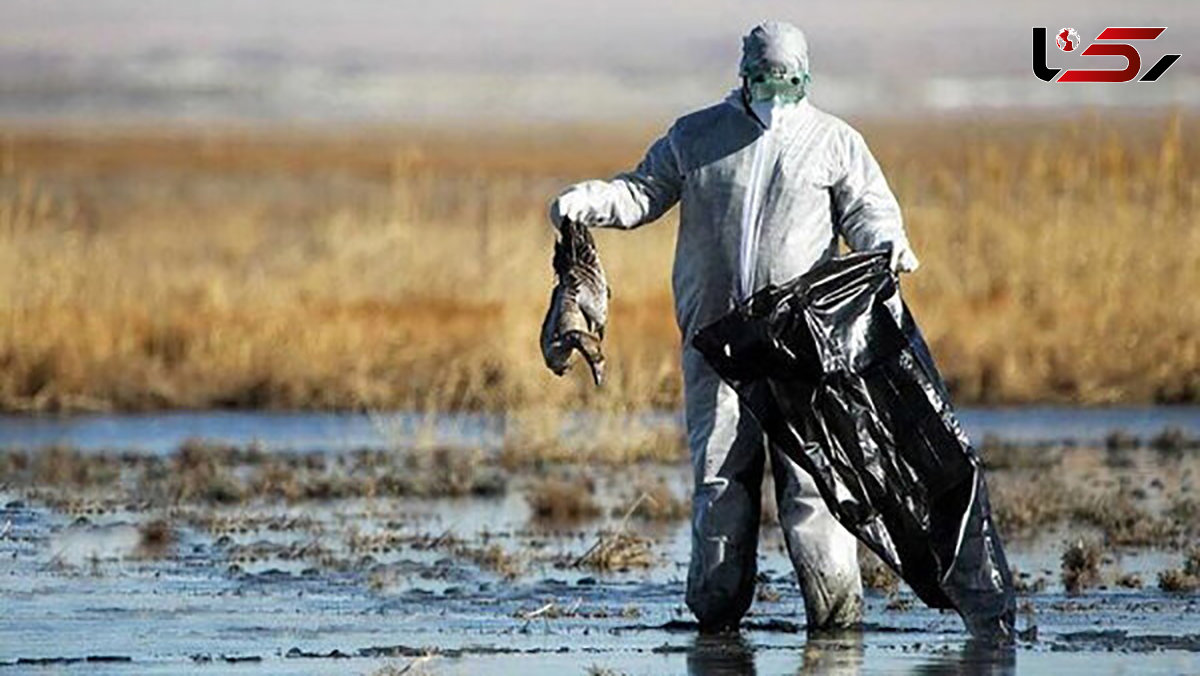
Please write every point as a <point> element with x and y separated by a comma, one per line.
<point>767,184</point>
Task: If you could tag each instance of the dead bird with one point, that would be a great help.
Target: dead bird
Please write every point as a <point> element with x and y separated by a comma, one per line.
<point>578,304</point>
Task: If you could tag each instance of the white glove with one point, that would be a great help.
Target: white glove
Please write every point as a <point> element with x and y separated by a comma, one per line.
<point>584,203</point>
<point>903,258</point>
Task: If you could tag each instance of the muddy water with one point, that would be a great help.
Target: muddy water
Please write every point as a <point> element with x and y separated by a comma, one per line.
<point>361,585</point>
<point>163,432</point>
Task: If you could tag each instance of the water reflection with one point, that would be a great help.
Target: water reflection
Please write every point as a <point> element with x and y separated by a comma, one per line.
<point>720,655</point>
<point>839,653</point>
<point>975,659</point>
<point>842,654</point>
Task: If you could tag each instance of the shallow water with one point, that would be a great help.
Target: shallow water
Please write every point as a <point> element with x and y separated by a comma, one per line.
<point>276,588</point>
<point>75,589</point>
<point>163,432</point>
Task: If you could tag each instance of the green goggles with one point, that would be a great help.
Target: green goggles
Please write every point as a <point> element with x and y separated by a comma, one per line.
<point>775,87</point>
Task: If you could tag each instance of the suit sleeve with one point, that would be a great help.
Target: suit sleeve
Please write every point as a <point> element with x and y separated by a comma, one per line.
<point>864,209</point>
<point>637,197</point>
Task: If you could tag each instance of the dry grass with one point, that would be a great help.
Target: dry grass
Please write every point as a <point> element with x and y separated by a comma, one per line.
<point>1129,581</point>
<point>618,550</point>
<point>410,268</point>
<point>563,498</point>
<point>1026,503</point>
<point>875,573</point>
<point>1123,522</point>
<point>536,435</point>
<point>211,474</point>
<point>156,538</point>
<point>765,593</point>
<point>1186,579</point>
<point>1000,455</point>
<point>1081,566</point>
<point>493,558</point>
<point>660,502</point>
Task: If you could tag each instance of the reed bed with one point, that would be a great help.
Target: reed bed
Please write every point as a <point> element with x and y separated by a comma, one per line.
<point>384,269</point>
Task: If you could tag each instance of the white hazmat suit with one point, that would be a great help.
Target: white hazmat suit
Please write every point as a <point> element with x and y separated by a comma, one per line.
<point>760,204</point>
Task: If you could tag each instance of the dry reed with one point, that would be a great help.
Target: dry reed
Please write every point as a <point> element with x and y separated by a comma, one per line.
<point>409,269</point>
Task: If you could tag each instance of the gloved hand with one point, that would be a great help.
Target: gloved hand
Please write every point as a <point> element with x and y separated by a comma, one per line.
<point>582,203</point>
<point>903,258</point>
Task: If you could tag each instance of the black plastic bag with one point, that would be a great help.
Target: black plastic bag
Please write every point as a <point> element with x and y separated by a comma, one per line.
<point>836,372</point>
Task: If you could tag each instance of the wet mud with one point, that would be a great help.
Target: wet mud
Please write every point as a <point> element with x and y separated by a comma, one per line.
<point>214,557</point>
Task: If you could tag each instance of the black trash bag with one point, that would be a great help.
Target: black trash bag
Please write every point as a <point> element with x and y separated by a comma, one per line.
<point>836,372</point>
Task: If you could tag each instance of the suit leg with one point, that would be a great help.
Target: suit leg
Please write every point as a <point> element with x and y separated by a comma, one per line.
<point>728,457</point>
<point>823,552</point>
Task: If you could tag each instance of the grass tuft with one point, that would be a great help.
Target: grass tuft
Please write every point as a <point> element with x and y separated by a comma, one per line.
<point>1081,566</point>
<point>570,498</point>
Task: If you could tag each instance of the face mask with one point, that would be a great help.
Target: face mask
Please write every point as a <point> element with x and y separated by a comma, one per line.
<point>766,92</point>
<point>778,87</point>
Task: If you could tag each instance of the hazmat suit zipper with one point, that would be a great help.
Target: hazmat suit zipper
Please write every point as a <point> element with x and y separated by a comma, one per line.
<point>751,216</point>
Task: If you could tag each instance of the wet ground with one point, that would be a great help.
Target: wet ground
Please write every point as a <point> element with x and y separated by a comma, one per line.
<point>274,561</point>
